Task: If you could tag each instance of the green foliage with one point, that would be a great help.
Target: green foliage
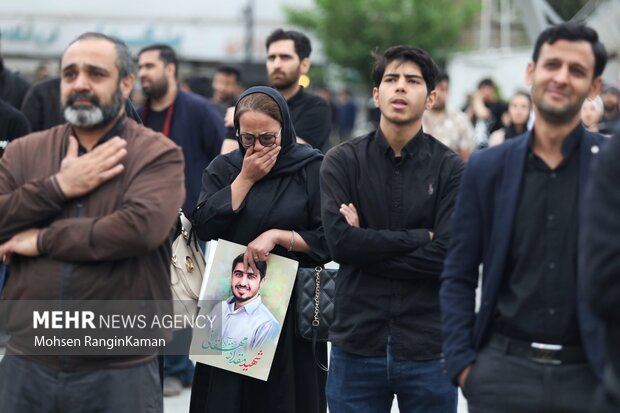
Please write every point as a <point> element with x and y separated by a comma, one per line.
<point>351,30</point>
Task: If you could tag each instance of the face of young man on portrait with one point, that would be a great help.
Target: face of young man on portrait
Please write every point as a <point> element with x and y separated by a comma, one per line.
<point>245,285</point>
<point>562,79</point>
<point>402,95</point>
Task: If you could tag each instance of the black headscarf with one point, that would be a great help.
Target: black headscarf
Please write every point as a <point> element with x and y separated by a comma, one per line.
<point>293,156</point>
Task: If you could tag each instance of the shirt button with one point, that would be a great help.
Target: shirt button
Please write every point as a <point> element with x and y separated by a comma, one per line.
<point>552,265</point>
<point>553,175</point>
<point>550,217</point>
<point>396,172</point>
<point>552,311</point>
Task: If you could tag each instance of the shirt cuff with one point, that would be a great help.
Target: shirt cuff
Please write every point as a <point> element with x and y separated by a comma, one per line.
<point>42,250</point>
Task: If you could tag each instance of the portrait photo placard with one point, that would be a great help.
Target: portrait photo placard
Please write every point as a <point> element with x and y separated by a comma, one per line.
<point>244,310</point>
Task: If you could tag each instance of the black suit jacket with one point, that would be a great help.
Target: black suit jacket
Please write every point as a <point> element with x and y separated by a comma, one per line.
<point>481,232</point>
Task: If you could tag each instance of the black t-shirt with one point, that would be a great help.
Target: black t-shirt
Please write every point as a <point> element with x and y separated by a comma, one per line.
<point>156,120</point>
<point>312,119</point>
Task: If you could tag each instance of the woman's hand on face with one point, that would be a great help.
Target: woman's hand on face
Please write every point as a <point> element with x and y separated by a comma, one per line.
<point>259,249</point>
<point>257,164</point>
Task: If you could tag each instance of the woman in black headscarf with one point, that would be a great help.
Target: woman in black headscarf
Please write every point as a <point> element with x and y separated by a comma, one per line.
<point>265,195</point>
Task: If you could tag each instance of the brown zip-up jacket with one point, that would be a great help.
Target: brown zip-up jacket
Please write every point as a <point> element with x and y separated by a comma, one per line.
<point>111,244</point>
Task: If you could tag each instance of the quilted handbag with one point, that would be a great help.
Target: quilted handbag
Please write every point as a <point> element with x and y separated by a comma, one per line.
<point>187,268</point>
<point>316,290</point>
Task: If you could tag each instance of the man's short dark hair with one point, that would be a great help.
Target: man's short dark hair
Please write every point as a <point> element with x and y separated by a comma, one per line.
<point>124,60</point>
<point>442,77</point>
<point>487,81</point>
<point>261,266</point>
<point>574,32</point>
<point>303,48</point>
<point>166,54</point>
<point>230,71</point>
<point>611,89</point>
<point>402,54</point>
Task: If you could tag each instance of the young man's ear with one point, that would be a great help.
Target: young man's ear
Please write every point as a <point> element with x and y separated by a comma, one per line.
<point>595,89</point>
<point>375,96</point>
<point>529,73</point>
<point>170,69</point>
<point>304,65</point>
<point>430,100</point>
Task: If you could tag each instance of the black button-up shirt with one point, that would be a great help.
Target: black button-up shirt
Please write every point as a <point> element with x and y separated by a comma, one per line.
<point>115,131</point>
<point>537,300</point>
<point>388,282</point>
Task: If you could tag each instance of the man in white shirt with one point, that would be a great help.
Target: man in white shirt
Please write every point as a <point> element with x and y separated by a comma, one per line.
<point>243,319</point>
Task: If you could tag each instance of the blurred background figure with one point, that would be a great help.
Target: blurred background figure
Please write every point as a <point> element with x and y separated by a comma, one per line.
<point>198,84</point>
<point>452,128</point>
<point>485,111</point>
<point>347,113</point>
<point>42,72</point>
<point>592,113</point>
<point>226,86</point>
<point>13,124</point>
<point>42,104</point>
<point>326,93</point>
<point>611,105</point>
<point>372,114</point>
<point>13,86</point>
<point>519,110</point>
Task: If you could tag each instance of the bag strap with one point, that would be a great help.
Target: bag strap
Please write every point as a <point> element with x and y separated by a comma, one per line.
<point>317,311</point>
<point>189,235</point>
<point>316,357</point>
<point>317,296</point>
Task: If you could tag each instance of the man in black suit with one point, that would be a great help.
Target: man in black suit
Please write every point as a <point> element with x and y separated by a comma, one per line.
<point>534,345</point>
<point>600,246</point>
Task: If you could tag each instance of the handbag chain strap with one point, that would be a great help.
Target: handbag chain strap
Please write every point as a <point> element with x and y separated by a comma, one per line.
<point>317,297</point>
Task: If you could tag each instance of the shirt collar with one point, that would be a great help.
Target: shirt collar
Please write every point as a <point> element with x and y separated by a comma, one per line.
<point>569,146</point>
<point>249,307</point>
<point>115,131</point>
<point>417,146</point>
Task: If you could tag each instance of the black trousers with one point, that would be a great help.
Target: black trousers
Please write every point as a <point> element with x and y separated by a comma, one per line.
<point>498,382</point>
<point>28,387</point>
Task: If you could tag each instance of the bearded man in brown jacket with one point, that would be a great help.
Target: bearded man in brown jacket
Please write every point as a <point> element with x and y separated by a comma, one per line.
<point>86,213</point>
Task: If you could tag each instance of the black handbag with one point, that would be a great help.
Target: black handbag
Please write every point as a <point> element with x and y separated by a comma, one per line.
<point>316,291</point>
